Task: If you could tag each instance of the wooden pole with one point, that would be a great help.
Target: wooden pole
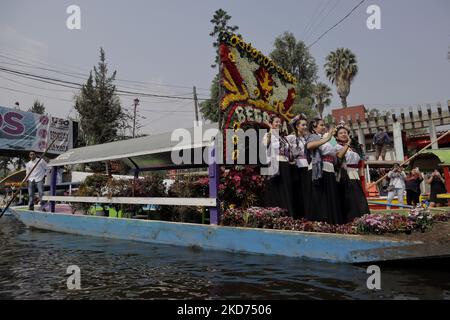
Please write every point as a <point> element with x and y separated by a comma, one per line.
<point>415,155</point>
<point>196,105</point>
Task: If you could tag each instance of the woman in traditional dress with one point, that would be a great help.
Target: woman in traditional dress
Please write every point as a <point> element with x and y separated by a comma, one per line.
<point>353,201</point>
<point>301,184</point>
<point>437,184</point>
<point>324,204</point>
<point>278,192</point>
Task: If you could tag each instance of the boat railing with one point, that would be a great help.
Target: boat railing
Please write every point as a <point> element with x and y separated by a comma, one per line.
<point>201,202</point>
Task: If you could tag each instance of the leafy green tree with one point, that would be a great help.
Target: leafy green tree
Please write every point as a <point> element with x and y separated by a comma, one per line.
<point>329,119</point>
<point>294,57</point>
<point>100,113</point>
<point>341,68</point>
<point>306,107</point>
<point>37,107</point>
<point>210,108</point>
<point>4,163</point>
<point>220,21</point>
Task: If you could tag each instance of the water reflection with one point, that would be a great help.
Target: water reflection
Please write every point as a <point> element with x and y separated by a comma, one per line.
<point>33,265</point>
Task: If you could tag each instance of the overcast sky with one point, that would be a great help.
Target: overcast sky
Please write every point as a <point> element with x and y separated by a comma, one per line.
<point>167,45</point>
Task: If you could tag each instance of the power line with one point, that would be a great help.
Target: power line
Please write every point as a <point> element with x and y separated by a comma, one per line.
<point>345,17</point>
<point>71,73</point>
<point>317,27</point>
<point>34,94</point>
<point>312,17</point>
<point>65,83</point>
<point>314,23</point>
<point>29,85</point>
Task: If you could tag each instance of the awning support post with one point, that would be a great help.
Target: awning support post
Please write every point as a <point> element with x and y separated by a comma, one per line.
<point>447,180</point>
<point>214,180</point>
<point>53,187</point>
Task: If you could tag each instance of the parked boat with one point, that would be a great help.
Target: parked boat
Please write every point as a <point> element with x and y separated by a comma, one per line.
<point>333,248</point>
<point>336,248</point>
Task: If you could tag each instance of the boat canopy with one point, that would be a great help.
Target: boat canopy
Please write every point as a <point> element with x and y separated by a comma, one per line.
<point>432,159</point>
<point>149,152</point>
<point>14,179</point>
<point>381,163</point>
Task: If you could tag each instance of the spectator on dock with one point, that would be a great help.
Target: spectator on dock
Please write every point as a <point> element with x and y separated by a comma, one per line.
<point>413,181</point>
<point>380,141</point>
<point>396,185</point>
<point>437,184</point>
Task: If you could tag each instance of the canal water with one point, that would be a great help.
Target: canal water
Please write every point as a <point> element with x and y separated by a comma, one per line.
<point>33,265</point>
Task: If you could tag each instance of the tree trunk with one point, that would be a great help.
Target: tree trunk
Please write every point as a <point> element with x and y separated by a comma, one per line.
<point>320,108</point>
<point>344,101</point>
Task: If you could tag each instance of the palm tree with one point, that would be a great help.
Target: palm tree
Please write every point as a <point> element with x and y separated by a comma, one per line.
<point>322,94</point>
<point>341,69</point>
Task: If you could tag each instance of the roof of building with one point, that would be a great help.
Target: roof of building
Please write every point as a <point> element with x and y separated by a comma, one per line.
<point>353,113</point>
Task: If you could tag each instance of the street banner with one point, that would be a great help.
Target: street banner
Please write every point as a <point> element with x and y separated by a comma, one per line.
<point>27,131</point>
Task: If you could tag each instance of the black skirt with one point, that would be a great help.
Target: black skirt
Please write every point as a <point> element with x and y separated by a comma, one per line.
<point>353,201</point>
<point>324,203</point>
<point>437,187</point>
<point>278,191</point>
<point>301,190</point>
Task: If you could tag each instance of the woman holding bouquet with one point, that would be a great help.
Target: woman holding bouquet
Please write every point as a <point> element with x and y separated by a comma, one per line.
<point>354,203</point>
<point>324,204</point>
<point>278,191</point>
<point>301,184</point>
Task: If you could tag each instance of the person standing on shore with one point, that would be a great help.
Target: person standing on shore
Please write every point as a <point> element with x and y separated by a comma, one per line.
<point>380,141</point>
<point>413,181</point>
<point>396,185</point>
<point>437,184</point>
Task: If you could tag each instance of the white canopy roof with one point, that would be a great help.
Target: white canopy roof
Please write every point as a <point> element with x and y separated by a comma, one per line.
<point>145,152</point>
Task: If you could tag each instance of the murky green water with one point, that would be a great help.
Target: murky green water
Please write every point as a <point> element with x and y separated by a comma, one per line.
<point>33,265</point>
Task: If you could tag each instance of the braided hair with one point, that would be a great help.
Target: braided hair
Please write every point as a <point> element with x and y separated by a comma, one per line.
<point>313,124</point>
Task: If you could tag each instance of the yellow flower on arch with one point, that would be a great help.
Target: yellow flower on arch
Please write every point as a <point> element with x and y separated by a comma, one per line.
<point>235,139</point>
<point>231,57</point>
<point>236,126</point>
<point>235,155</point>
<point>256,92</point>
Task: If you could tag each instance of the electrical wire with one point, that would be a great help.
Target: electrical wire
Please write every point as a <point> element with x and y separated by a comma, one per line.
<point>337,23</point>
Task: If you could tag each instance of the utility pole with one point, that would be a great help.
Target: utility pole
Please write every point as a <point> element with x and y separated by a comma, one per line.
<point>136,103</point>
<point>196,105</point>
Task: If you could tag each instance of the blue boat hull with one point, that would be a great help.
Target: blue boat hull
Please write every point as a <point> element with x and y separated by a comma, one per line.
<point>309,245</point>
